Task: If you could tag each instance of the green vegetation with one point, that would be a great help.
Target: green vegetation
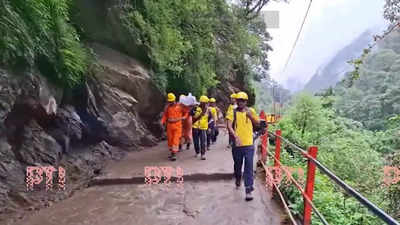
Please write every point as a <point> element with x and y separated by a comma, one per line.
<point>37,33</point>
<point>191,45</point>
<point>268,92</point>
<point>356,126</point>
<point>391,14</point>
<point>347,149</point>
<point>195,44</point>
<point>374,98</point>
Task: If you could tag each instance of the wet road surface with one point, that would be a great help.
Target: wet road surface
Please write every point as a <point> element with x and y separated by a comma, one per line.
<point>195,202</point>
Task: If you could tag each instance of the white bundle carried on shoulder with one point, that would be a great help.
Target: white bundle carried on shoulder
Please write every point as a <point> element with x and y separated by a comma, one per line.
<point>188,100</point>
<point>182,99</point>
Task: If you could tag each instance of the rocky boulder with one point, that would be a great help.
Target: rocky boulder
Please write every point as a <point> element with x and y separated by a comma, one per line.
<point>79,129</point>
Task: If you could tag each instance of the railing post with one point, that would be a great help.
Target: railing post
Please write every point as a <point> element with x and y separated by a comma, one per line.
<point>265,143</point>
<point>312,151</point>
<point>277,147</point>
<point>264,140</point>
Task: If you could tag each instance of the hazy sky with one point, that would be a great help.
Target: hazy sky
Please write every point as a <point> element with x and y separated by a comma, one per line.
<point>330,25</point>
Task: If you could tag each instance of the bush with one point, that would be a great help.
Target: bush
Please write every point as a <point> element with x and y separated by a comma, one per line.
<point>346,149</point>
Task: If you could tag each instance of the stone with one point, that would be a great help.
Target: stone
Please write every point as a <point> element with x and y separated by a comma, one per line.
<point>148,141</point>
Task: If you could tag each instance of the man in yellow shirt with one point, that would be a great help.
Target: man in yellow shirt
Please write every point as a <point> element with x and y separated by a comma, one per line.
<point>201,115</point>
<point>213,129</point>
<point>240,125</point>
<point>231,107</point>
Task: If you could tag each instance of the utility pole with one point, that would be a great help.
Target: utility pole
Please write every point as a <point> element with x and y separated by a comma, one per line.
<point>280,102</point>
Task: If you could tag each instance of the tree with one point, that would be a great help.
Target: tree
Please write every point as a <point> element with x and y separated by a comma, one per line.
<point>252,8</point>
<point>343,147</point>
<point>195,44</point>
<point>392,10</point>
<point>374,97</point>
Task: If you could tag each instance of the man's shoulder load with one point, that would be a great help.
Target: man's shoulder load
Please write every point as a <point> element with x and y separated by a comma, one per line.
<point>188,100</point>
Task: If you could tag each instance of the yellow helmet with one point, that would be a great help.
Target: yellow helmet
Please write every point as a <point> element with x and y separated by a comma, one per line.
<point>212,100</point>
<point>242,95</point>
<point>233,95</point>
<point>171,97</point>
<point>203,99</point>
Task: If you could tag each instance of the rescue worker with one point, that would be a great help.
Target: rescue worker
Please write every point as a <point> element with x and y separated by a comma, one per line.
<point>172,117</point>
<point>215,112</point>
<point>187,125</point>
<point>201,114</point>
<point>231,107</point>
<point>240,125</point>
<point>211,123</point>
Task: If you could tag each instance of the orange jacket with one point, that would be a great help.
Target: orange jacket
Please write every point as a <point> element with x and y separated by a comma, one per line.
<point>174,111</point>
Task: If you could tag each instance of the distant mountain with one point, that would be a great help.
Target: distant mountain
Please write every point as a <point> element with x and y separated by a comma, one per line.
<point>332,72</point>
<point>374,97</point>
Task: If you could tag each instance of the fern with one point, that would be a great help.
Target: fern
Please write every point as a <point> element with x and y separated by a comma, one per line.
<point>37,33</point>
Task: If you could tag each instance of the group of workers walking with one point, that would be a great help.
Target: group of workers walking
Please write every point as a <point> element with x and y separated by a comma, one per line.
<point>189,120</point>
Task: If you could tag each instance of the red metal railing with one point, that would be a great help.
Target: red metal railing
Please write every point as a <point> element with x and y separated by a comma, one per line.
<point>311,155</point>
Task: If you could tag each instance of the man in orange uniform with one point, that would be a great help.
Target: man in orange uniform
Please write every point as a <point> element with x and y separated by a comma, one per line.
<point>173,116</point>
<point>187,123</point>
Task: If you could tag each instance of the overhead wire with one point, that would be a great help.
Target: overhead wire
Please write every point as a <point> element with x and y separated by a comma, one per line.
<point>376,37</point>
<point>298,36</point>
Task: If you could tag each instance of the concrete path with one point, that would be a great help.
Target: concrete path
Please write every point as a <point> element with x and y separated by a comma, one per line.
<point>208,200</point>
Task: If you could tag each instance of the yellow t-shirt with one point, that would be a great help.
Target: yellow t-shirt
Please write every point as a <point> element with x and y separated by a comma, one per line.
<point>244,126</point>
<point>202,123</point>
<point>252,110</point>
<point>214,112</point>
<point>229,112</point>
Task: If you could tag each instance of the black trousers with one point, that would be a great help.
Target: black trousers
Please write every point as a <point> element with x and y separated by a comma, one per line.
<point>210,133</point>
<point>231,140</point>
<point>215,134</point>
<point>199,140</point>
<point>246,154</point>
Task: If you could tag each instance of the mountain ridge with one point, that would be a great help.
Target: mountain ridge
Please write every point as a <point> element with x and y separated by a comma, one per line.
<point>334,70</point>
